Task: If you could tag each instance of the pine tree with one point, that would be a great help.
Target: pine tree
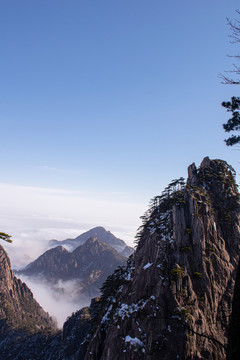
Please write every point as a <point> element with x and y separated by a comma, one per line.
<point>5,237</point>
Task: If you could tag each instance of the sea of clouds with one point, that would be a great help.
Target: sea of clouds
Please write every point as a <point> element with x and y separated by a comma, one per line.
<point>59,300</point>
<point>33,216</point>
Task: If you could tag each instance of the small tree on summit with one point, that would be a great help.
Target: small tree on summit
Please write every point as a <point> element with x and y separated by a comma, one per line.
<point>5,237</point>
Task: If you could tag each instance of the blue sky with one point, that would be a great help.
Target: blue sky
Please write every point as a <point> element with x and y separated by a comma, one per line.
<point>112,99</point>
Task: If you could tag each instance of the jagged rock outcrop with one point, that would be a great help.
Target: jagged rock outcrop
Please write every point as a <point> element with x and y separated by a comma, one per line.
<point>89,263</point>
<point>174,299</point>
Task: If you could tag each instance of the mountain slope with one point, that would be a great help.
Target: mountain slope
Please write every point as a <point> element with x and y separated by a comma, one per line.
<point>233,348</point>
<point>96,260</point>
<point>52,264</point>
<point>18,309</point>
<point>97,232</point>
<point>25,328</point>
<point>174,300</point>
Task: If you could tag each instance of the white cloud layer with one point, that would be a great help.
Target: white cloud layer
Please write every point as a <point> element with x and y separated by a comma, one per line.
<point>57,300</point>
<point>33,216</point>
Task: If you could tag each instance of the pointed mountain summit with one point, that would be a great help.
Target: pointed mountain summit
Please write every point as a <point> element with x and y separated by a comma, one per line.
<point>52,264</point>
<point>97,232</point>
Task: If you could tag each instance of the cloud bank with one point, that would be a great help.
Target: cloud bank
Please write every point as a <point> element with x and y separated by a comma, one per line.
<point>33,216</point>
<point>58,299</point>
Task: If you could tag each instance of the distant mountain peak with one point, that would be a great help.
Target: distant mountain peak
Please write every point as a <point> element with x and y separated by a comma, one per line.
<point>101,234</point>
<point>90,263</point>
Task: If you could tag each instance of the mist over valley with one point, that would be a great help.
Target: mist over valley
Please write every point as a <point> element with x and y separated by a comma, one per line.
<point>63,281</point>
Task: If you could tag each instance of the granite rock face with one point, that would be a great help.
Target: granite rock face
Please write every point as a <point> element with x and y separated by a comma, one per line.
<point>174,299</point>
<point>233,349</point>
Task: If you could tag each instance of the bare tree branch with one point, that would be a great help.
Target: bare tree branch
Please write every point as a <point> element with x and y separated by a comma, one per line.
<point>235,38</point>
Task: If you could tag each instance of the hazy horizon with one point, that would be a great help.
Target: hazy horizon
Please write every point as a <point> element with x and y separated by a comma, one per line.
<point>39,215</point>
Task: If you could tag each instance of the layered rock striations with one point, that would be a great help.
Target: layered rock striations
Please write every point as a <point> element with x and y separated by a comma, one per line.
<point>174,299</point>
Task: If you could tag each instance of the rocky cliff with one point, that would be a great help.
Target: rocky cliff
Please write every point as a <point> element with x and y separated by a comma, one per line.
<point>174,299</point>
<point>233,349</point>
<point>18,308</point>
<point>23,322</point>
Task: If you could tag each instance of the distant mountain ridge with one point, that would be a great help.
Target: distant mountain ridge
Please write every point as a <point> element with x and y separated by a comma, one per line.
<point>97,232</point>
<point>90,264</point>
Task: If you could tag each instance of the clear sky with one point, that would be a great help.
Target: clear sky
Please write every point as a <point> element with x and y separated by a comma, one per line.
<point>110,100</point>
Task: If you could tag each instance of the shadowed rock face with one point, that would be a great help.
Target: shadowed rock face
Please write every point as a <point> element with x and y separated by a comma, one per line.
<point>18,308</point>
<point>174,300</point>
<point>233,349</point>
<point>25,328</point>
